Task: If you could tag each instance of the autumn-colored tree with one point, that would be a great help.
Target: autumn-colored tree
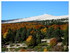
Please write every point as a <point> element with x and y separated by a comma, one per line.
<point>5,34</point>
<point>44,31</point>
<point>64,26</point>
<point>45,50</point>
<point>16,26</point>
<point>54,26</point>
<point>30,41</point>
<point>32,32</point>
<point>53,41</point>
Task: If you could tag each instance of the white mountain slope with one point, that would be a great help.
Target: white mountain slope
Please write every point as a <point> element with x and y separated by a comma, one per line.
<point>37,18</point>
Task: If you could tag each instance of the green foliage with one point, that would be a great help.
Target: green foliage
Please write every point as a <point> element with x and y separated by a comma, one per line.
<point>50,32</point>
<point>38,38</point>
<point>16,49</point>
<point>42,44</point>
<point>28,32</point>
<point>49,47</point>
<point>34,42</point>
<point>21,35</point>
<point>66,37</point>
<point>4,49</point>
<point>10,36</point>
<point>3,40</point>
<point>38,48</point>
<point>30,47</point>
<point>58,33</point>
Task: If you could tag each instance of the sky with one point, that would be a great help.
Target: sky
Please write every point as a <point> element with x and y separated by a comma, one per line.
<point>24,9</point>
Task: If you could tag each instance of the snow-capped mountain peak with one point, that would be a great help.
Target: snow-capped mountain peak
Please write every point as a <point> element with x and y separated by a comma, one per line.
<point>37,18</point>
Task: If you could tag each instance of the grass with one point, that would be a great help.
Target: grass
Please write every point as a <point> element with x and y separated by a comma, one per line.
<point>4,49</point>
<point>42,44</point>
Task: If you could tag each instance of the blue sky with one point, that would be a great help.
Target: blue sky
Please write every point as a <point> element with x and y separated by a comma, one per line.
<point>24,9</point>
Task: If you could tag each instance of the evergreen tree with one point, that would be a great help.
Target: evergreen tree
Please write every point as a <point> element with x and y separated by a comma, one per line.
<point>38,38</point>
<point>10,36</point>
<point>50,32</point>
<point>28,32</point>
<point>3,40</point>
<point>58,33</point>
<point>21,35</point>
<point>17,38</point>
<point>66,37</point>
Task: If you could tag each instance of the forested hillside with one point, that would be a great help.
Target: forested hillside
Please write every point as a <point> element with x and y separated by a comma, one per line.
<point>32,33</point>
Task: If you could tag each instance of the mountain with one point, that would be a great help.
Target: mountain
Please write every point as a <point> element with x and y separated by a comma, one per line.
<point>35,18</point>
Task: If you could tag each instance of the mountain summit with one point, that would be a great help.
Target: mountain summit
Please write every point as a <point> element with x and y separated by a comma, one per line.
<point>36,18</point>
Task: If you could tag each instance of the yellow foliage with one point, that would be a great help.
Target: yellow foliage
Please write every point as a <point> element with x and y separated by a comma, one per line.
<point>45,50</point>
<point>29,38</point>
<point>44,30</point>
<point>32,32</point>
<point>64,27</point>
<point>5,34</point>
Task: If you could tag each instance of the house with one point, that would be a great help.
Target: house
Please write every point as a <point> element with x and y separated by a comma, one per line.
<point>48,40</point>
<point>59,43</point>
<point>62,37</point>
<point>45,41</point>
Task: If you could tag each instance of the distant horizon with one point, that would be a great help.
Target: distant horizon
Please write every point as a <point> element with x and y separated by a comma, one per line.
<point>16,10</point>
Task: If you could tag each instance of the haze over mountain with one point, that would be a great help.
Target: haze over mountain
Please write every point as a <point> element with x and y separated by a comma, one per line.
<point>35,18</point>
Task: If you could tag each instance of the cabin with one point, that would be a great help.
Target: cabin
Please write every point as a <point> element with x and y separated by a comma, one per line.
<point>45,40</point>
<point>59,43</point>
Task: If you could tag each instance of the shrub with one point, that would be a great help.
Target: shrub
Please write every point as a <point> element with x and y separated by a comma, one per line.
<point>37,48</point>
